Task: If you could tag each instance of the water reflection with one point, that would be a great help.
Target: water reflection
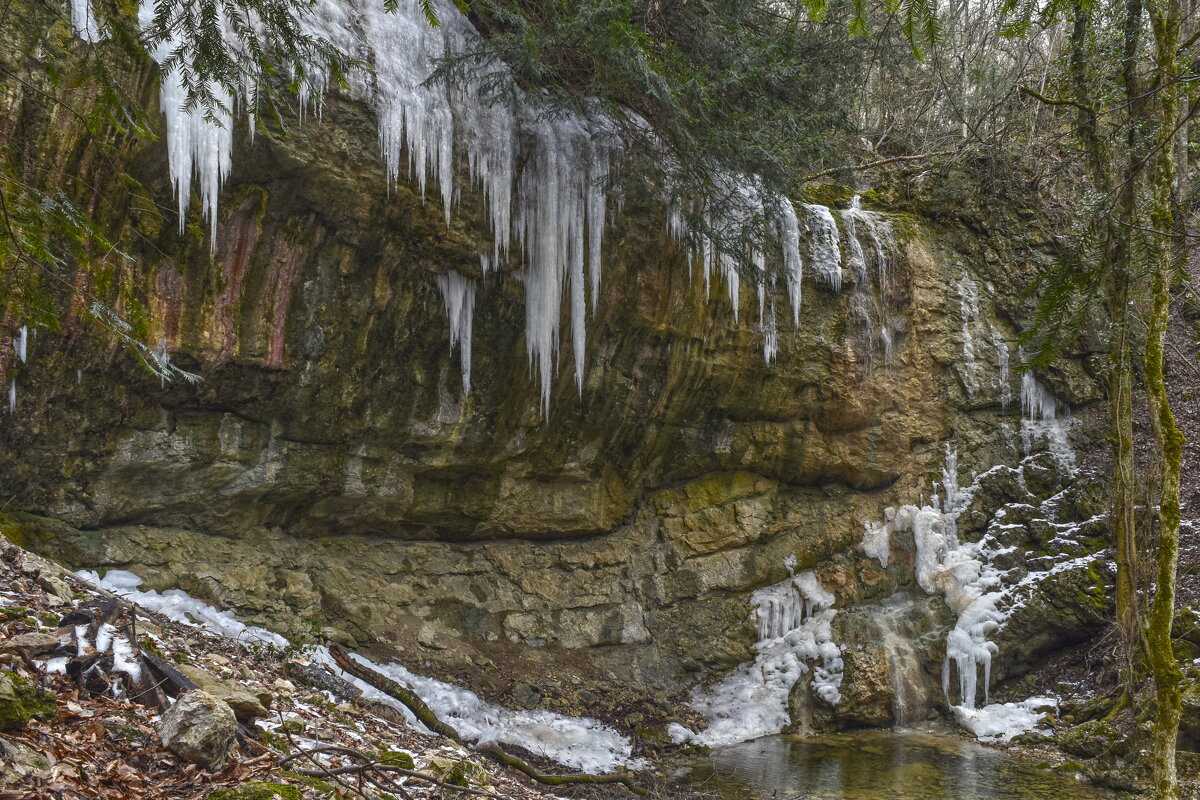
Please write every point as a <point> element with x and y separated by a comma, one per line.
<point>884,765</point>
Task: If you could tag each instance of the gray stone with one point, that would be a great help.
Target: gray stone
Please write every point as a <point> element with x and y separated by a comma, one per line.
<point>20,761</point>
<point>31,644</point>
<point>527,696</point>
<point>200,728</point>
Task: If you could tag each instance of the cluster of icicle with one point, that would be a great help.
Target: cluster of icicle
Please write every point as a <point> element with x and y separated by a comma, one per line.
<point>543,179</point>
<point>794,640</point>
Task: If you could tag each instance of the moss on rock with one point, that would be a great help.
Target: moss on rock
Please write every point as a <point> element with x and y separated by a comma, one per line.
<point>259,790</point>
<point>21,701</point>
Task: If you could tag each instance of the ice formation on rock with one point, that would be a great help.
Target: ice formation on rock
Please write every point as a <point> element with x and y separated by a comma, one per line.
<point>877,230</point>
<point>579,742</point>
<point>458,294</point>
<point>1002,383</point>
<point>199,140</point>
<point>1042,421</point>
<point>962,572</point>
<point>981,594</point>
<point>182,607</point>
<point>877,541</point>
<point>1000,722</point>
<point>968,301</point>
<point>870,246</point>
<point>823,242</point>
<point>794,640</point>
<point>543,178</point>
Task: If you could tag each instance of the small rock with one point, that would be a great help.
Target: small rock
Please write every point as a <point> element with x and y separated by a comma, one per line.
<point>55,586</point>
<point>284,685</point>
<point>219,659</point>
<point>20,761</point>
<point>459,773</point>
<point>247,705</point>
<point>527,696</point>
<point>31,644</point>
<point>199,728</point>
<point>427,637</point>
<point>294,726</point>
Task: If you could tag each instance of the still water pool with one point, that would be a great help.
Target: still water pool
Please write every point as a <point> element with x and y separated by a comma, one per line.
<point>884,765</point>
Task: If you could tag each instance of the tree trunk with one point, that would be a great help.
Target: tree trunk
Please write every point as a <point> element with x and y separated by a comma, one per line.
<point>1166,20</point>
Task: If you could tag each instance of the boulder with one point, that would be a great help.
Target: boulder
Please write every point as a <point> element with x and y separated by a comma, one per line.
<point>1089,739</point>
<point>200,728</point>
<point>247,705</point>
<point>526,695</point>
<point>22,700</point>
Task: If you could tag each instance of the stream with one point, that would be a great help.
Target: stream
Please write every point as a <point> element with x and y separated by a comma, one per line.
<point>879,764</point>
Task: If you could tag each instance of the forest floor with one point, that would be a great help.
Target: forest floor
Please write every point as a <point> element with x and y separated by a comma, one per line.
<point>102,741</point>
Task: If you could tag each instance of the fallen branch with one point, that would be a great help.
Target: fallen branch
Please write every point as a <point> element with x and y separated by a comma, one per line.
<point>430,720</point>
<point>874,164</point>
<point>389,687</point>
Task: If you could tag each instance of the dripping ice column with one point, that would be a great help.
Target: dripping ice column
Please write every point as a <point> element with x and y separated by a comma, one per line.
<point>458,294</point>
<point>826,253</point>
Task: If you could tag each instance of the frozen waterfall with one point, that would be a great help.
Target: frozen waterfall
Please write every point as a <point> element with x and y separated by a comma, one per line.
<point>1041,421</point>
<point>794,640</point>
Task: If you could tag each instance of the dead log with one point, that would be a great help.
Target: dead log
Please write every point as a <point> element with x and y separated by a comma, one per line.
<point>316,676</point>
<point>172,681</point>
<point>430,720</point>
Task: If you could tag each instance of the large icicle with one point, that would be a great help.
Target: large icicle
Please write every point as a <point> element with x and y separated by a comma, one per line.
<point>825,255</point>
<point>197,145</point>
<point>458,293</point>
<point>793,266</point>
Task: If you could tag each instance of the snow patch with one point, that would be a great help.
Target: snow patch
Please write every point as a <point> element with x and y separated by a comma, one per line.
<point>181,607</point>
<point>1000,722</point>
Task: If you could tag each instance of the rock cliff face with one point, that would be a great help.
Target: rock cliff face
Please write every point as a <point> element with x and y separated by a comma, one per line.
<point>328,473</point>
